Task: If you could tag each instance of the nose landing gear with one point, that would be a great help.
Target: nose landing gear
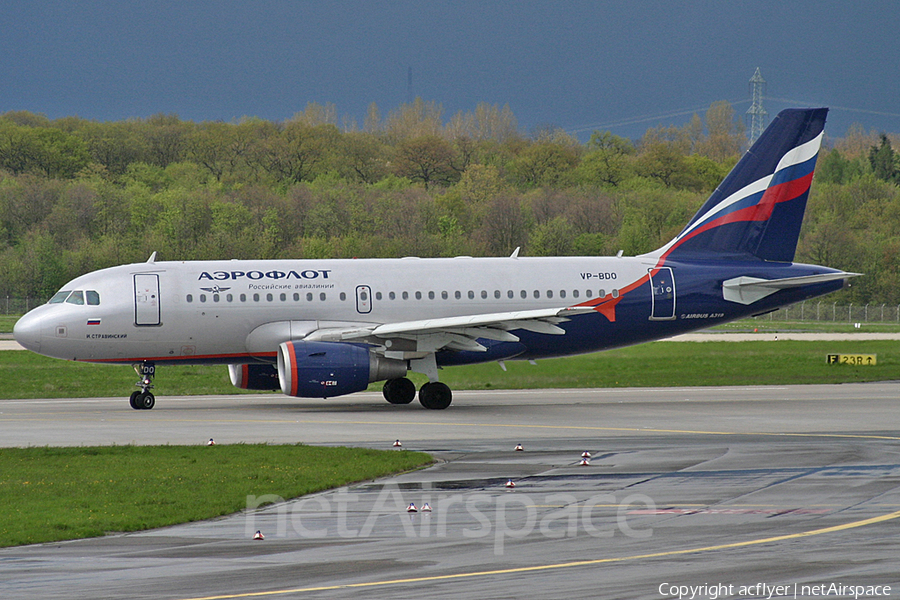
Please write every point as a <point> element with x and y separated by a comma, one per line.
<point>143,399</point>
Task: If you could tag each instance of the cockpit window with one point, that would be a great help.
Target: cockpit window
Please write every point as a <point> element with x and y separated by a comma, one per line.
<point>79,297</point>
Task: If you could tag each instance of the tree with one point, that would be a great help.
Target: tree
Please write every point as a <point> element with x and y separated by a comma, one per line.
<point>298,153</point>
<point>418,119</point>
<point>426,158</point>
<point>544,163</point>
<point>165,137</point>
<point>883,160</point>
<point>608,161</point>
<point>725,134</point>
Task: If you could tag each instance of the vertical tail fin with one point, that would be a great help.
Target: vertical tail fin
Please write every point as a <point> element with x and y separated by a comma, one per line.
<point>757,210</point>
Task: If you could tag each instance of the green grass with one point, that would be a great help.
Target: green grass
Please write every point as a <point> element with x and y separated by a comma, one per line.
<point>664,364</point>
<point>54,494</point>
<point>7,322</point>
<point>28,375</point>
<point>764,325</point>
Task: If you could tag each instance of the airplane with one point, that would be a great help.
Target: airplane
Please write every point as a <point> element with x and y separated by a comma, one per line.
<point>325,328</point>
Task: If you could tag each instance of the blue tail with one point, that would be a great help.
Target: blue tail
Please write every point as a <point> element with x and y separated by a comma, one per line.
<point>757,210</point>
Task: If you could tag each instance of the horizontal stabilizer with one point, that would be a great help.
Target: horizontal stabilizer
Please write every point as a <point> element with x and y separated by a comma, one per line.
<point>747,290</point>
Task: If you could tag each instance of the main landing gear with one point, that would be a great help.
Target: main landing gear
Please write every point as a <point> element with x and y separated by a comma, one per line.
<point>434,394</point>
<point>142,399</point>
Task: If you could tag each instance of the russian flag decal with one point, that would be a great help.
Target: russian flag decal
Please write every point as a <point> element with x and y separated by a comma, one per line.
<point>93,321</point>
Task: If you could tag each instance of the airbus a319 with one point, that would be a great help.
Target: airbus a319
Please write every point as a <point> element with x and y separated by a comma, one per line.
<point>324,328</point>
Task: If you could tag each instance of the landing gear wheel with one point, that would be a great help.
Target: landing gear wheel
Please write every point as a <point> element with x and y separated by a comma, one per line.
<point>143,399</point>
<point>146,401</point>
<point>435,395</point>
<point>399,391</point>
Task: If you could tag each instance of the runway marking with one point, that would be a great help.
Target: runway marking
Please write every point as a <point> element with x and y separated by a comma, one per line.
<point>566,565</point>
<point>115,418</point>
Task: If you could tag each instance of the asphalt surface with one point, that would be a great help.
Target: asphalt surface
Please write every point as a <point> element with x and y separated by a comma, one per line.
<point>728,492</point>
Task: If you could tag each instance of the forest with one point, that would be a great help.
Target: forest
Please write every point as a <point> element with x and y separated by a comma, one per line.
<point>78,195</point>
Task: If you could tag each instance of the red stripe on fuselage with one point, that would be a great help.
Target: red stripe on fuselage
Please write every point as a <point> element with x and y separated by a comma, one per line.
<point>606,305</point>
<point>192,359</point>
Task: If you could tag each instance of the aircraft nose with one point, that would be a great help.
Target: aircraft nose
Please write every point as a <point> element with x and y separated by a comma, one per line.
<point>27,332</point>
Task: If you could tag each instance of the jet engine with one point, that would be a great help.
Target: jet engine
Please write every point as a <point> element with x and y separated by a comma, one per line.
<point>326,369</point>
<point>257,376</point>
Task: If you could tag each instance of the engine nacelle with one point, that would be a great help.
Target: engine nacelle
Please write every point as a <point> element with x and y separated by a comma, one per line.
<point>257,376</point>
<point>326,369</point>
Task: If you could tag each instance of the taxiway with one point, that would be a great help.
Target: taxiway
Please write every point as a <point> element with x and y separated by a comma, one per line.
<point>775,485</point>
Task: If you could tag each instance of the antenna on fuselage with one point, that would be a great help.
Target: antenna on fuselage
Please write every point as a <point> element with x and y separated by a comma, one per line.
<point>152,258</point>
<point>515,253</point>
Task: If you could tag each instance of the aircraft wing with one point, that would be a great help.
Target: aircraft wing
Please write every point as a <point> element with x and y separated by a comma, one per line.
<point>747,290</point>
<point>456,333</point>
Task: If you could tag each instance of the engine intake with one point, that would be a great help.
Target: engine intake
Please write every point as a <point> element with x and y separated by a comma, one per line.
<point>327,369</point>
<point>254,377</point>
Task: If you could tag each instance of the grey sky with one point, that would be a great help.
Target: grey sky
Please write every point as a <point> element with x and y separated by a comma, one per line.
<point>577,65</point>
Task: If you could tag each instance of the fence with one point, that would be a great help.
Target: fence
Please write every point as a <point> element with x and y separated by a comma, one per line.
<point>832,311</point>
<point>804,311</point>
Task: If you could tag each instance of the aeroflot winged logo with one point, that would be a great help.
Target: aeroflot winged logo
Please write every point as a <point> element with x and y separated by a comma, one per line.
<point>257,275</point>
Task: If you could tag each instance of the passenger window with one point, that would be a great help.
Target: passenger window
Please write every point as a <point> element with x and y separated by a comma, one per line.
<point>256,297</point>
<point>392,296</point>
<point>431,295</point>
<point>406,295</point>
<point>309,296</point>
<point>615,293</point>
<point>444,295</point>
<point>497,294</point>
<point>60,297</point>
<point>471,295</point>
<point>190,298</point>
<point>322,296</point>
<point>343,296</point>
<point>524,294</point>
<point>484,294</point>
<point>378,295</point>
<point>229,298</point>
<point>269,297</point>
<point>418,295</point>
<point>283,297</point>
<point>509,294</point>
<point>457,295</point>
<point>537,294</point>
<point>243,297</point>
<point>549,293</point>
<point>75,298</point>
<point>562,293</point>
<point>589,293</point>
<point>602,294</point>
<point>296,297</point>
<point>215,297</point>
<point>574,293</point>
<point>202,297</point>
<point>93,298</point>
